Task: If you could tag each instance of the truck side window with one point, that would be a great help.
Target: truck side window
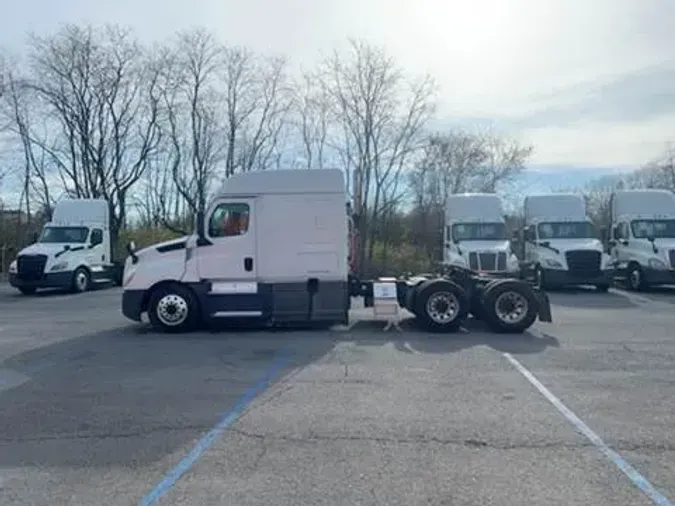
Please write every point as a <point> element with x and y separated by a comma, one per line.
<point>229,219</point>
<point>96,237</point>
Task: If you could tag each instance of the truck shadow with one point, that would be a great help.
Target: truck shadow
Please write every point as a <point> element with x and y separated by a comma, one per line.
<point>124,397</point>
<point>474,333</point>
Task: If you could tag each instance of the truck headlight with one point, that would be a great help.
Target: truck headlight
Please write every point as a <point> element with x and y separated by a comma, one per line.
<point>655,263</point>
<point>550,262</point>
<point>61,266</point>
<point>12,267</point>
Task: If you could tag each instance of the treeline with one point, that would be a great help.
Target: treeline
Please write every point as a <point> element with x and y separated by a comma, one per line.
<point>91,112</point>
<point>659,173</point>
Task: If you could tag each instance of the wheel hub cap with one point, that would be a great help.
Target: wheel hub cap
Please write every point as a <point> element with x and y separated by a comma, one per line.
<point>172,310</point>
<point>442,307</point>
<point>511,307</point>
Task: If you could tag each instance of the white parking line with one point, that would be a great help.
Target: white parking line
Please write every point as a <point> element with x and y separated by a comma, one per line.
<point>641,301</point>
<point>638,480</point>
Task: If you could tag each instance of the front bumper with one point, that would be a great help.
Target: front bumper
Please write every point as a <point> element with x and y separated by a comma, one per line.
<point>50,280</point>
<point>557,277</point>
<point>658,277</point>
<point>132,304</point>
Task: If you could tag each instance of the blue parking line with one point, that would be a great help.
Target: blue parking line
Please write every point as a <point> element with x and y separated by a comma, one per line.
<point>207,440</point>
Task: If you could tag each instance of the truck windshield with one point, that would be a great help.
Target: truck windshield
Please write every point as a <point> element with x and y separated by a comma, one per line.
<point>566,230</point>
<point>653,228</point>
<point>479,232</point>
<point>64,234</point>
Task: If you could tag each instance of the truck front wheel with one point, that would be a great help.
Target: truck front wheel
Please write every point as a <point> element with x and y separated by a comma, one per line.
<point>441,305</point>
<point>509,307</point>
<point>81,280</point>
<point>173,309</point>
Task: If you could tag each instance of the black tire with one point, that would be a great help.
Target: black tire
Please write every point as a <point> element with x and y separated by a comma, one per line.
<point>27,290</point>
<point>634,278</point>
<point>497,317</point>
<point>477,299</point>
<point>81,281</point>
<point>165,319</point>
<point>602,288</point>
<point>434,303</point>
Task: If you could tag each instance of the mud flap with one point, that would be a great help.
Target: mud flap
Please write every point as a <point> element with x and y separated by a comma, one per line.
<point>544,306</point>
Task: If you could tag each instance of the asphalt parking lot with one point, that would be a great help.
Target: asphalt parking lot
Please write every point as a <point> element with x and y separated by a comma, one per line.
<point>95,409</point>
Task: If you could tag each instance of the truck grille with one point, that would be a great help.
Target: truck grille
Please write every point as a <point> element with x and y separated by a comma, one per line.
<point>583,262</point>
<point>30,267</point>
<point>671,256</point>
<point>487,261</point>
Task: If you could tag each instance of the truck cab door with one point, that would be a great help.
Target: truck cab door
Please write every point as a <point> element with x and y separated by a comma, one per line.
<point>228,260</point>
<point>95,253</point>
<point>619,250</point>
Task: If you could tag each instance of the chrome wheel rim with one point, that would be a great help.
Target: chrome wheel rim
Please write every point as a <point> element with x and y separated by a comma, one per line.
<point>172,310</point>
<point>511,307</point>
<point>442,307</point>
<point>81,281</point>
<point>635,278</point>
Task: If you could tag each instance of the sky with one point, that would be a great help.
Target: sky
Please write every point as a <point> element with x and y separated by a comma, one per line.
<point>590,84</point>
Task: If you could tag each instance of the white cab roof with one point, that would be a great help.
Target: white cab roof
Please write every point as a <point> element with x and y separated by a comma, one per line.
<point>90,212</point>
<point>478,207</point>
<point>284,181</point>
<point>555,207</point>
<point>645,203</point>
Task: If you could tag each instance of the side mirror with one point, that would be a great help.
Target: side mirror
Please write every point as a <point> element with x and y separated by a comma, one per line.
<point>515,237</point>
<point>603,233</point>
<point>131,249</point>
<point>35,237</point>
<point>615,233</point>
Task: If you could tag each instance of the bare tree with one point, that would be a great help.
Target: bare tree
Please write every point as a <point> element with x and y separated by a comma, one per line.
<point>455,162</point>
<point>379,117</point>
<point>256,106</point>
<point>194,120</point>
<point>313,120</point>
<point>99,88</point>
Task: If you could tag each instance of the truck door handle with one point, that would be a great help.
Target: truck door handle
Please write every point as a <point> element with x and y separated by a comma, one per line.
<point>248,264</point>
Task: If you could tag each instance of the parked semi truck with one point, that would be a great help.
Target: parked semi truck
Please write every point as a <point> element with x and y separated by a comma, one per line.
<point>642,238</point>
<point>476,236</point>
<point>73,251</point>
<point>273,247</point>
<point>560,247</point>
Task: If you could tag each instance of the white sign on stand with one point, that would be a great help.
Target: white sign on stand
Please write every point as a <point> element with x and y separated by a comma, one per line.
<point>385,303</point>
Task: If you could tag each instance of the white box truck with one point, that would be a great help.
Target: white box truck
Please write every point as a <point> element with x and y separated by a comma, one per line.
<point>642,239</point>
<point>476,236</point>
<point>560,245</point>
<point>73,251</point>
<point>273,247</point>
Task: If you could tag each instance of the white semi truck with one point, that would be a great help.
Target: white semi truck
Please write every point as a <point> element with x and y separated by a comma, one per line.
<point>273,247</point>
<point>476,236</point>
<point>560,247</point>
<point>642,239</point>
<point>73,251</point>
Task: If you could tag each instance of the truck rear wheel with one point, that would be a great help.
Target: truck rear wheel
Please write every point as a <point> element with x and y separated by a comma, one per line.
<point>509,306</point>
<point>173,308</point>
<point>441,305</point>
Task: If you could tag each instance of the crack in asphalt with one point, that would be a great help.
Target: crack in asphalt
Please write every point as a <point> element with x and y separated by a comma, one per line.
<point>467,442</point>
